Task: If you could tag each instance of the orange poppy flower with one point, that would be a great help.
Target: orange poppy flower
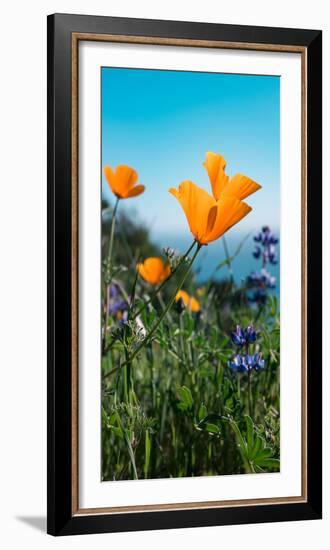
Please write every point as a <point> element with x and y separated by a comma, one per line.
<point>154,271</point>
<point>209,217</point>
<point>122,181</point>
<point>189,301</point>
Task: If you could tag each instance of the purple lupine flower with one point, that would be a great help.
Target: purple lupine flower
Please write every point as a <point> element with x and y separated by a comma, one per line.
<point>262,279</point>
<point>272,256</point>
<point>238,337</point>
<point>114,291</point>
<point>265,237</point>
<point>258,362</point>
<point>123,318</point>
<point>246,363</point>
<point>236,363</point>
<point>258,296</point>
<point>118,307</point>
<point>250,335</point>
<point>257,252</point>
<point>268,279</point>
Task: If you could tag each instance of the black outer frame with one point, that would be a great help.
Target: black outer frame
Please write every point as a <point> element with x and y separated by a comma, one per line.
<point>59,516</point>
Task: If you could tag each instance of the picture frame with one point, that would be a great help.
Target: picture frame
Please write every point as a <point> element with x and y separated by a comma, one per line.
<point>65,34</point>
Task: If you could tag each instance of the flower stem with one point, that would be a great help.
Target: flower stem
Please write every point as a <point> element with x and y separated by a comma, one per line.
<point>112,230</point>
<point>249,393</point>
<point>228,258</point>
<point>154,294</point>
<point>238,386</point>
<point>162,305</point>
<point>167,308</point>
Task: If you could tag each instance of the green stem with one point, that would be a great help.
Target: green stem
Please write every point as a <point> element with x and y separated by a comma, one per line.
<point>127,379</point>
<point>112,230</point>
<point>154,294</point>
<point>106,319</point>
<point>131,455</point>
<point>260,310</point>
<point>162,304</point>
<point>152,378</point>
<point>183,351</point>
<point>249,393</point>
<point>228,258</point>
<point>238,386</point>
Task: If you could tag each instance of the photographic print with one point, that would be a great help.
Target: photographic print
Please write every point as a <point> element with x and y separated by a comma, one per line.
<point>184,274</point>
<point>190,274</point>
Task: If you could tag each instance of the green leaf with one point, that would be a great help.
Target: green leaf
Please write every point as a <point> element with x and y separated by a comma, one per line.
<point>212,418</point>
<point>240,440</point>
<point>272,463</point>
<point>212,428</point>
<point>259,443</point>
<point>117,431</point>
<point>189,324</point>
<point>264,453</point>
<point>186,400</point>
<point>211,423</point>
<point>202,412</point>
<point>249,434</point>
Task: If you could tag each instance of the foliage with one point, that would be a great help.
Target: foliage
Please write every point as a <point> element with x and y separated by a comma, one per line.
<point>171,404</point>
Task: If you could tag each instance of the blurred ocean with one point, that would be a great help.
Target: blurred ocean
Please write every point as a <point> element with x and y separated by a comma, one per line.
<point>214,254</point>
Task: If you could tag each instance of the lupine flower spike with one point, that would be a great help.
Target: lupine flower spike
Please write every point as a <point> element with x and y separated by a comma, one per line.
<point>262,281</point>
<point>241,337</point>
<point>245,362</point>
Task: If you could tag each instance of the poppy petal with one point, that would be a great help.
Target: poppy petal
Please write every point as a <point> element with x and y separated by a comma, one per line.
<point>189,301</point>
<point>215,166</point>
<point>153,270</point>
<point>196,204</point>
<point>127,176</point>
<point>230,211</point>
<point>142,271</point>
<point>135,191</point>
<point>112,180</point>
<point>182,295</point>
<point>194,305</point>
<point>241,186</point>
<point>211,218</point>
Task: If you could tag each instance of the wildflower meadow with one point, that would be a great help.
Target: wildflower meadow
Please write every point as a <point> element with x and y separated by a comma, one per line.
<point>190,367</point>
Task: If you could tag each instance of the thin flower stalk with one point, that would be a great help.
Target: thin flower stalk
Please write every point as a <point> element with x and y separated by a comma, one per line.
<point>107,286</point>
<point>112,230</point>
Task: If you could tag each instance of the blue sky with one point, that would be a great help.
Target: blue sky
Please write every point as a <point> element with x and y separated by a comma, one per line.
<point>163,122</point>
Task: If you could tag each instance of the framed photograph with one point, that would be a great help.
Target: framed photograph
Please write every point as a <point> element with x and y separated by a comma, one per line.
<point>184,274</point>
